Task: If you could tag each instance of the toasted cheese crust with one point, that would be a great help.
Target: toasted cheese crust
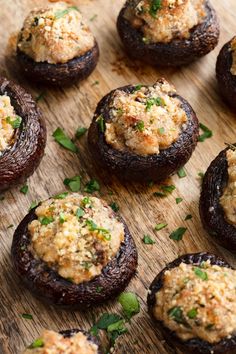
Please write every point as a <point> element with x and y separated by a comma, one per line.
<point>228,199</point>
<point>55,34</point>
<point>7,118</point>
<point>165,20</point>
<point>198,302</point>
<point>51,342</point>
<point>145,121</point>
<point>77,236</point>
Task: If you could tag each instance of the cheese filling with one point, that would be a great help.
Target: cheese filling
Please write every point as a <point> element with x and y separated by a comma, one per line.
<point>165,20</point>
<point>198,302</point>
<point>228,199</point>
<point>9,121</point>
<point>55,34</point>
<point>52,342</point>
<point>233,50</point>
<point>77,236</point>
<point>146,120</point>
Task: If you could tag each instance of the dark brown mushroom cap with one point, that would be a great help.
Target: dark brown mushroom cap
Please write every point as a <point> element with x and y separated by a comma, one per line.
<point>211,212</point>
<point>131,166</point>
<point>71,332</point>
<point>48,285</point>
<point>203,39</point>
<point>74,70</point>
<point>23,157</point>
<point>226,80</point>
<point>195,345</point>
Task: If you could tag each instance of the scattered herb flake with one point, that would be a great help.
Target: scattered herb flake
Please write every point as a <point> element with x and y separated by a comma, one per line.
<point>80,132</point>
<point>61,13</point>
<point>201,175</point>
<point>160,226</point>
<point>177,314</point>
<point>73,183</point>
<point>188,217</point>
<point>154,7</point>
<point>61,195</point>
<point>178,200</point>
<point>62,139</point>
<point>181,173</point>
<point>177,235</point>
<point>79,213</point>
<point>200,273</point>
<point>168,189</point>
<point>140,126</point>
<point>159,194</point>
<point>24,189</point>
<point>99,289</point>
<point>192,313</point>
<point>10,226</point>
<point>138,87</point>
<point>158,101</point>
<point>147,240</point>
<point>101,123</point>
<point>46,220</point>
<point>33,205</point>
<point>130,304</point>
<point>207,133</point>
<point>96,82</point>
<point>161,131</point>
<point>62,218</point>
<point>107,319</point>
<point>114,207</point>
<point>38,343</point>
<point>27,316</point>
<point>92,186</point>
<point>14,123</point>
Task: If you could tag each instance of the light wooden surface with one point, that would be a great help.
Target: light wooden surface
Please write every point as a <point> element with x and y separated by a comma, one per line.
<point>73,107</point>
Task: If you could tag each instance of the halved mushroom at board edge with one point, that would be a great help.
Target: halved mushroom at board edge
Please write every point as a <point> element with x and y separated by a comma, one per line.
<point>74,251</point>
<point>226,72</point>
<point>22,134</point>
<point>192,302</point>
<point>218,199</point>
<point>55,46</point>
<point>168,32</point>
<point>73,341</point>
<point>142,132</point>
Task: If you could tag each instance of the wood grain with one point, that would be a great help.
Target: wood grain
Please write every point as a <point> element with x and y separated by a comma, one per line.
<point>73,107</point>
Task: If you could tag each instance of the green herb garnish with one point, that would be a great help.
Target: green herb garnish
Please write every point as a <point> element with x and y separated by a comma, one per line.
<point>114,207</point>
<point>33,205</point>
<point>159,194</point>
<point>61,195</point>
<point>129,303</point>
<point>79,213</point>
<point>108,319</point>
<point>147,240</point>
<point>62,13</point>
<point>73,183</point>
<point>176,314</point>
<point>62,139</point>
<point>96,82</point>
<point>200,273</point>
<point>160,226</point>
<point>93,227</point>
<point>14,123</point>
<point>168,189</point>
<point>46,220</point>
<point>101,123</point>
<point>178,200</point>
<point>140,125</point>
<point>192,313</point>
<point>62,218</point>
<point>181,173</point>
<point>24,189</point>
<point>188,217</point>
<point>154,7</point>
<point>10,226</point>
<point>201,175</point>
<point>99,289</point>
<point>137,87</point>
<point>38,343</point>
<point>177,235</point>
<point>80,132</point>
<point>92,186</point>
<point>207,133</point>
<point>27,316</point>
<point>158,101</point>
<point>161,131</point>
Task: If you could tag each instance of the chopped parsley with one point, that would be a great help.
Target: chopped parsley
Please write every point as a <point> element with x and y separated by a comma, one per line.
<point>108,319</point>
<point>79,213</point>
<point>114,207</point>
<point>61,195</point>
<point>93,227</point>
<point>188,217</point>
<point>154,7</point>
<point>14,123</point>
<point>62,218</point>
<point>10,226</point>
<point>86,201</point>
<point>61,13</point>
<point>159,194</point>
<point>73,183</point>
<point>176,313</point>
<point>62,139</point>
<point>99,289</point>
<point>178,200</point>
<point>207,133</point>
<point>201,175</point>
<point>158,101</point>
<point>93,17</point>
<point>160,226</point>
<point>96,82</point>
<point>33,205</point>
<point>38,343</point>
<point>137,87</point>
<point>24,189</point>
<point>46,220</point>
<point>92,186</point>
<point>161,131</point>
<point>27,316</point>
<point>129,303</point>
<point>200,273</point>
<point>177,235</point>
<point>140,125</point>
<point>168,189</point>
<point>101,123</point>
<point>181,173</point>
<point>192,313</point>
<point>147,240</point>
<point>80,132</point>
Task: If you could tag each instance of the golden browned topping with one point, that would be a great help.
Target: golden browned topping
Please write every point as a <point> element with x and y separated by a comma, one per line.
<point>9,121</point>
<point>233,49</point>
<point>51,342</point>
<point>77,236</point>
<point>55,34</point>
<point>198,302</point>
<point>228,199</point>
<point>146,120</point>
<point>165,20</point>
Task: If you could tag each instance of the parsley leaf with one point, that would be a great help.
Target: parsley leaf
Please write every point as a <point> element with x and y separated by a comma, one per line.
<point>101,123</point>
<point>207,133</point>
<point>114,207</point>
<point>92,186</point>
<point>24,189</point>
<point>158,101</point>
<point>61,13</point>
<point>38,343</point>
<point>61,195</point>
<point>27,316</point>
<point>108,319</point>
<point>147,240</point>
<point>192,313</point>
<point>73,183</point>
<point>129,303</point>
<point>178,200</point>
<point>61,138</point>
<point>177,235</point>
<point>80,132</point>
<point>14,123</point>
<point>176,313</point>
<point>188,217</point>
<point>140,125</point>
<point>46,220</point>
<point>200,273</point>
<point>154,7</point>
<point>181,173</point>
<point>160,226</point>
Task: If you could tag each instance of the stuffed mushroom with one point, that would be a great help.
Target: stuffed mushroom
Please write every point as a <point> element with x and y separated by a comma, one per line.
<point>226,72</point>
<point>168,32</point>
<point>22,134</point>
<point>142,132</point>
<point>74,251</point>
<point>217,202</point>
<point>72,341</point>
<point>192,301</point>
<point>55,46</point>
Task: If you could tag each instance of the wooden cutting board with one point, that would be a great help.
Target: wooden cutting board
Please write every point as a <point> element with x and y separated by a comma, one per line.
<point>73,107</point>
